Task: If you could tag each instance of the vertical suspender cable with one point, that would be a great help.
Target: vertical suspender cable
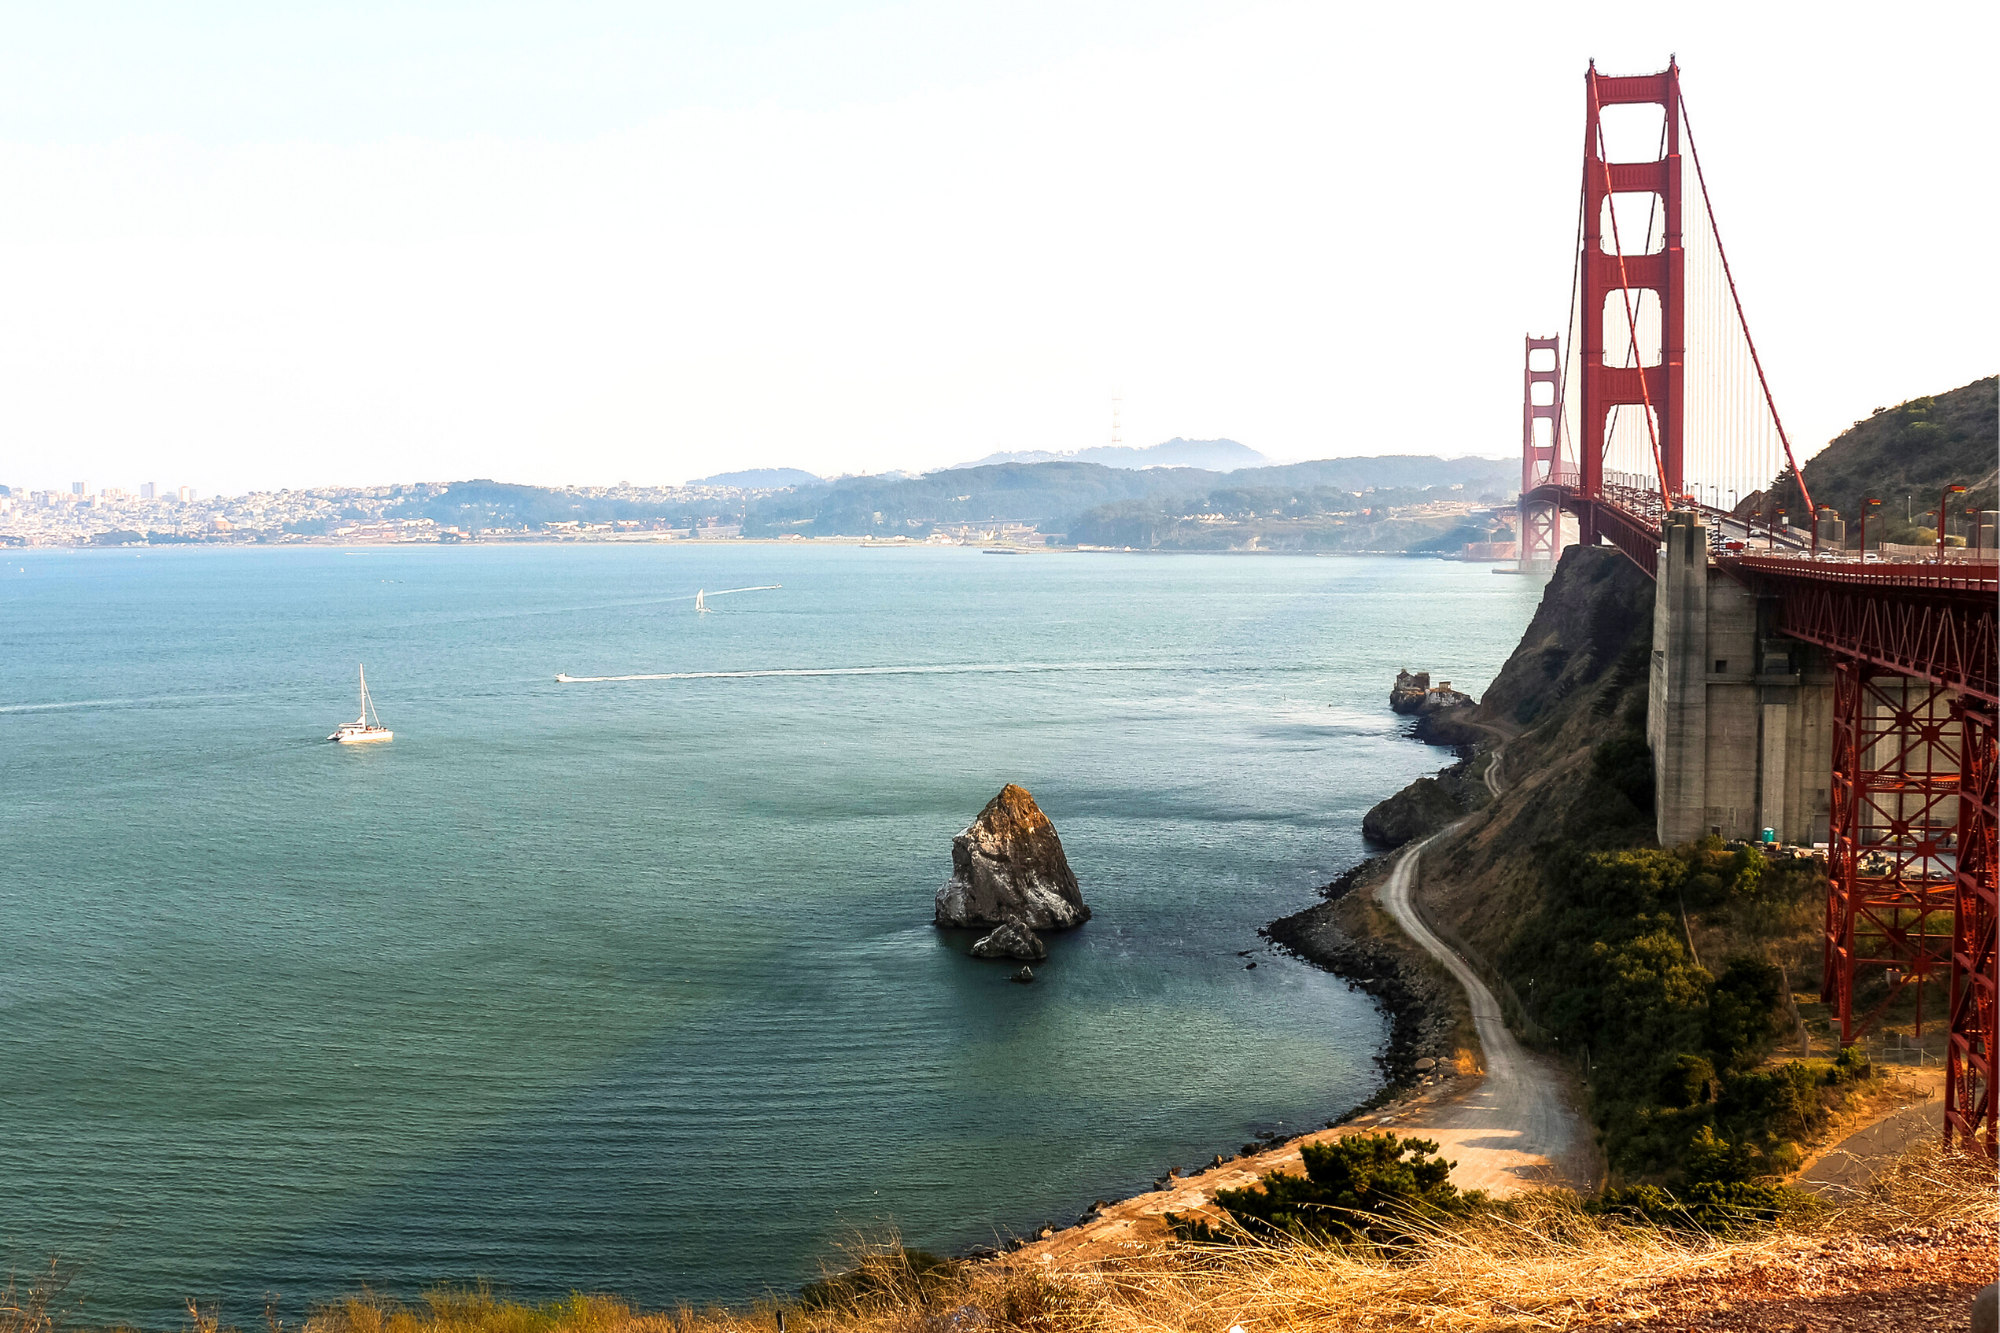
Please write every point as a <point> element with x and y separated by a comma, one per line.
<point>1709,204</point>
<point>1569,341</point>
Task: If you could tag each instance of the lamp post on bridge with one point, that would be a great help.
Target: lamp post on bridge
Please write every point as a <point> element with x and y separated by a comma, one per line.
<point>1870,503</point>
<point>1944,499</point>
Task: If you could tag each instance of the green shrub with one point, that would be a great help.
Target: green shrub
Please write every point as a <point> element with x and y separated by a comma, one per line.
<point>1372,1187</point>
<point>1625,763</point>
<point>1674,1050</point>
<point>1718,1194</point>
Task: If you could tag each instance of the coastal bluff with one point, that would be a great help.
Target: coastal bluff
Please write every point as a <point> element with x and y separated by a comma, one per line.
<point>1008,868</point>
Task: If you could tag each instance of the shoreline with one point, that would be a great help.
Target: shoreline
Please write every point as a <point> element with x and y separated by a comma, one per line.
<point>1424,1021</point>
<point>1429,1056</point>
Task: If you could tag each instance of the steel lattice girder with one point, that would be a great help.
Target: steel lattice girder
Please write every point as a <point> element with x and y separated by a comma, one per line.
<point>1628,532</point>
<point>1942,634</point>
<point>1896,768</point>
<point>1541,533</point>
<point>1970,1073</point>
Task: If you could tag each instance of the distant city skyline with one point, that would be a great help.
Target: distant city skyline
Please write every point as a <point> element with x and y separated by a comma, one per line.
<point>253,249</point>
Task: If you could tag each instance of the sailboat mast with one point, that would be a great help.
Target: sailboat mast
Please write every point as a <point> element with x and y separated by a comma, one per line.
<point>364,696</point>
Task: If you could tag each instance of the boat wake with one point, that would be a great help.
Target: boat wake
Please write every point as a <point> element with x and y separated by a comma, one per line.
<point>941,669</point>
<point>137,702</point>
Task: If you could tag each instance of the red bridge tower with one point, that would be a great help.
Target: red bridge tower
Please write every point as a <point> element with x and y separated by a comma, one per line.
<point>1612,279</point>
<point>1541,519</point>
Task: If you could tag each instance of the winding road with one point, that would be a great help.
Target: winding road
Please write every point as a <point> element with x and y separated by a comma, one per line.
<point>1516,1129</point>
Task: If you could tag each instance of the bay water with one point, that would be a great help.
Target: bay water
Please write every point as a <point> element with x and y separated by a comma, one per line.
<point>631,985</point>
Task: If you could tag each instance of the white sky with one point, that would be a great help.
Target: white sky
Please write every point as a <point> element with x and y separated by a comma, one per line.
<point>265,245</point>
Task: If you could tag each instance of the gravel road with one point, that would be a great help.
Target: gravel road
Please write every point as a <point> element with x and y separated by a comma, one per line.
<point>1517,1128</point>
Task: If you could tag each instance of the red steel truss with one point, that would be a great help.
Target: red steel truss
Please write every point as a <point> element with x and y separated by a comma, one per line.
<point>1970,1075</point>
<point>1541,520</point>
<point>1623,517</point>
<point>1891,857</point>
<point>1936,622</point>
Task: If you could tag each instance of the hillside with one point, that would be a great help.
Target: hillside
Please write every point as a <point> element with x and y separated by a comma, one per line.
<point>1665,977</point>
<point>1273,518</point>
<point>759,479</point>
<point>1055,496</point>
<point>1904,456</point>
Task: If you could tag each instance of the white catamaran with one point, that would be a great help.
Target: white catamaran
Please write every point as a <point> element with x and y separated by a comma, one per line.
<point>361,730</point>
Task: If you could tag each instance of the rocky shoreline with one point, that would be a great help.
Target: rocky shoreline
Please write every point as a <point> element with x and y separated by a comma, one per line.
<point>1421,1050</point>
<point>1422,1021</point>
<point>1417,1056</point>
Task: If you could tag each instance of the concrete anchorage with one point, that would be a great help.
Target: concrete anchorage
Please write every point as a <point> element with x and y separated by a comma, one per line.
<point>1740,719</point>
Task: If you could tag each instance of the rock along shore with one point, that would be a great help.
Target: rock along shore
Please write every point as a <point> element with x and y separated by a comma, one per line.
<point>1422,1016</point>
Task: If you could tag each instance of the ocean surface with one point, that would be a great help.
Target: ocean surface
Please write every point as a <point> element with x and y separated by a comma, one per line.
<point>632,985</point>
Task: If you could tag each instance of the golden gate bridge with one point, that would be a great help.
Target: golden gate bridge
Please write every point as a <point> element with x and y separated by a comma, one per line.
<point>1796,685</point>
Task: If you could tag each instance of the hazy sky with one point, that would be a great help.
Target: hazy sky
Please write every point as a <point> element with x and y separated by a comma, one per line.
<point>259,244</point>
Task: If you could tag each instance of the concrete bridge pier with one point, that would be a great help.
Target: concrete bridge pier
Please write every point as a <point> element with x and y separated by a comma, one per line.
<point>1740,719</point>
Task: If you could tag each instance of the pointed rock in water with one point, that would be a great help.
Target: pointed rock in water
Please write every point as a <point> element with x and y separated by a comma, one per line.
<point>1008,865</point>
<point>1024,976</point>
<point>1011,939</point>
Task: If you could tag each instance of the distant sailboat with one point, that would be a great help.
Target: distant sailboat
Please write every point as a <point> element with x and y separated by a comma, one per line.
<point>362,731</point>
<point>700,602</point>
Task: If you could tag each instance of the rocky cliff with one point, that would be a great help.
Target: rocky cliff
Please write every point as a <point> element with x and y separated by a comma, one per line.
<point>1418,810</point>
<point>1574,688</point>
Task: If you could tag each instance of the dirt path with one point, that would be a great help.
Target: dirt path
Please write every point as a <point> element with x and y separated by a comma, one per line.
<point>1516,1129</point>
<point>1910,1109</point>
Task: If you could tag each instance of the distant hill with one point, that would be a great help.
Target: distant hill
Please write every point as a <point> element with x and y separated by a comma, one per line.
<point>1106,505</point>
<point>1497,477</point>
<point>760,479</point>
<point>1037,493</point>
<point>1055,495</point>
<point>484,503</point>
<point>1210,455</point>
<point>1904,456</point>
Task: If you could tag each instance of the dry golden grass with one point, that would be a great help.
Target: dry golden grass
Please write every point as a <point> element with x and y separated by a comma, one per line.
<point>1543,1263</point>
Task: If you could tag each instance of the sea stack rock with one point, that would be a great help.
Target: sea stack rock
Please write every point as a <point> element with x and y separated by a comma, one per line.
<point>1011,939</point>
<point>1008,868</point>
<point>1440,710</point>
<point>1407,695</point>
